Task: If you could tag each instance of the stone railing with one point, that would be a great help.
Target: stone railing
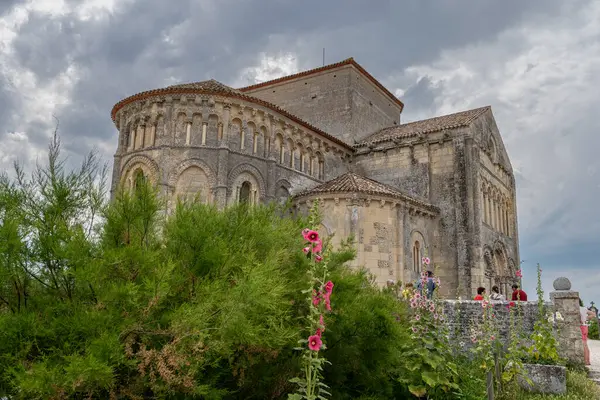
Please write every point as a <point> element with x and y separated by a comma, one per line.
<point>464,315</point>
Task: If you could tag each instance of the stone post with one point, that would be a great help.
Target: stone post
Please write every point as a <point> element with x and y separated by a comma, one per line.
<point>566,301</point>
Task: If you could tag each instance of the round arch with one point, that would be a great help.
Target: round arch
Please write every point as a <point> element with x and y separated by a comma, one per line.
<point>417,250</point>
<point>246,173</point>
<point>192,177</point>
<point>142,163</point>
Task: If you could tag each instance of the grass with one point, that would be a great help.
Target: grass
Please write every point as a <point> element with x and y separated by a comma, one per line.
<point>579,387</point>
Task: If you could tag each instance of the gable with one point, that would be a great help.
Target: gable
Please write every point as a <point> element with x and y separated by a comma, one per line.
<point>488,137</point>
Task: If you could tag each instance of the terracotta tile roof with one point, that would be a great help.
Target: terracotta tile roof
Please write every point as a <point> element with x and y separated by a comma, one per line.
<point>349,61</point>
<point>450,121</point>
<point>214,87</point>
<point>351,182</point>
<point>209,85</point>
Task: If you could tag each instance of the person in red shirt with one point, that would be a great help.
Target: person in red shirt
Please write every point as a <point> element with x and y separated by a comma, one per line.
<point>518,294</point>
<point>480,293</point>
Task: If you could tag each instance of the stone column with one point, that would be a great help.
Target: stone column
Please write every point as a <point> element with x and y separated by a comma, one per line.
<point>566,301</point>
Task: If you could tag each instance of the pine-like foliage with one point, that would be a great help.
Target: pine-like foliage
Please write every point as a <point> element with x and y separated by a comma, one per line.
<point>117,301</point>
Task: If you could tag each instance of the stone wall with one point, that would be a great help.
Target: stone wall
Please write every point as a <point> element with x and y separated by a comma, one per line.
<point>463,315</point>
<point>382,228</point>
<point>432,170</point>
<point>210,145</point>
<point>340,101</point>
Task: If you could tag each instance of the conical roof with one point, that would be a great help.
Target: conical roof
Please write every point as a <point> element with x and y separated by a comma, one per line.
<point>351,182</point>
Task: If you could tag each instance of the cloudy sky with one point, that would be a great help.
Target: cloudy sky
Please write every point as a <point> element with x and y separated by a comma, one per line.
<point>536,62</point>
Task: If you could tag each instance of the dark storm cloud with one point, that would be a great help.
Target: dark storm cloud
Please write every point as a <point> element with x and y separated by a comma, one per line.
<point>420,96</point>
<point>146,42</point>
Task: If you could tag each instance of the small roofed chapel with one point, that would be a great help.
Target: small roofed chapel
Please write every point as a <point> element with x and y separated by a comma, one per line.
<point>441,187</point>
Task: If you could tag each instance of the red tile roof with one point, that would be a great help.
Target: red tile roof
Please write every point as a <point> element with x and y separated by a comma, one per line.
<point>450,121</point>
<point>349,61</point>
<point>213,87</point>
<point>351,182</point>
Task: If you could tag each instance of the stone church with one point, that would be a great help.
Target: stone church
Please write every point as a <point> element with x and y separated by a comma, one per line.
<point>442,187</point>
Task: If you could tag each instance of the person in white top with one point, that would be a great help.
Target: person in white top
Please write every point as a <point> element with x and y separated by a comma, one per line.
<point>496,295</point>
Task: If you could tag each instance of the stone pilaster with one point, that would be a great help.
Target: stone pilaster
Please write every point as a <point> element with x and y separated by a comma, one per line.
<point>566,301</point>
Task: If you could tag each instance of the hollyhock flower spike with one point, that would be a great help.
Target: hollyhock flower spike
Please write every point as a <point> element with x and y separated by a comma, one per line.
<point>322,322</point>
<point>329,287</point>
<point>312,236</point>
<point>319,332</point>
<point>519,273</point>
<point>314,342</point>
<point>318,247</point>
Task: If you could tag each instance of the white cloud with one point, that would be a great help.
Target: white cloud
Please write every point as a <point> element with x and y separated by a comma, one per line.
<point>269,67</point>
<point>37,102</point>
<point>541,80</point>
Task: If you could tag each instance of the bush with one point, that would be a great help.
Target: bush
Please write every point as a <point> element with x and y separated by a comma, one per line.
<point>203,304</point>
<point>593,332</point>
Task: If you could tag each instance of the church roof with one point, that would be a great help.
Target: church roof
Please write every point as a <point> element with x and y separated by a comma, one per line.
<point>351,182</point>
<point>450,121</point>
<point>214,87</point>
<point>348,61</point>
<point>209,85</point>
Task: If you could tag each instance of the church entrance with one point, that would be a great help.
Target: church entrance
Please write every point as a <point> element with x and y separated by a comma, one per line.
<point>245,192</point>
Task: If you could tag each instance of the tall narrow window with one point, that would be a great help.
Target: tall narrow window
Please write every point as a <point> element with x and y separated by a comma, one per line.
<point>321,169</point>
<point>242,138</point>
<point>281,153</point>
<point>417,256</point>
<point>255,143</point>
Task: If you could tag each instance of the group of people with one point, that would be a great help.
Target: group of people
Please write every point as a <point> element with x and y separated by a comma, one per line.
<point>517,294</point>
<point>427,285</point>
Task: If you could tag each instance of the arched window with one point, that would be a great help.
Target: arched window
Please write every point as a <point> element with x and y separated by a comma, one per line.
<point>321,169</point>
<point>281,152</point>
<point>245,191</point>
<point>417,256</point>
<point>255,143</point>
<point>138,179</point>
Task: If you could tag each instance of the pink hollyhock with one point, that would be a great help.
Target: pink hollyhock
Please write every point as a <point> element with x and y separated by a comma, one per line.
<point>425,260</point>
<point>329,287</point>
<point>318,258</point>
<point>327,302</point>
<point>417,317</point>
<point>432,308</point>
<point>413,304</point>
<point>306,250</point>
<point>322,322</point>
<point>318,247</point>
<point>316,298</point>
<point>311,236</point>
<point>319,332</point>
<point>414,329</point>
<point>519,273</point>
<point>314,342</point>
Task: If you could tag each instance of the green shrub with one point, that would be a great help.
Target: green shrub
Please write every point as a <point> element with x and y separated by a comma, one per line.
<point>99,301</point>
<point>593,332</point>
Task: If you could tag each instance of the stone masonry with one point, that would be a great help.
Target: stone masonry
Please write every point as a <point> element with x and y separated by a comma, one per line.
<point>443,187</point>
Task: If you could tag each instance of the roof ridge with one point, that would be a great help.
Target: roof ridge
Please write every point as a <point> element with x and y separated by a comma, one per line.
<point>352,182</point>
<point>433,124</point>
